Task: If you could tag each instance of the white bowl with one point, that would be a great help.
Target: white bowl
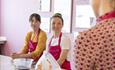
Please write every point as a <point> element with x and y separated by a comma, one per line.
<point>23,63</point>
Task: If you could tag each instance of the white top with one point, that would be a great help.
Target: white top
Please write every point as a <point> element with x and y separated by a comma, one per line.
<point>65,43</point>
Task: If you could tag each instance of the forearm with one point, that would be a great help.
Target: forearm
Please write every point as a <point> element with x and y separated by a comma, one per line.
<point>62,57</point>
<point>22,56</point>
<point>60,61</point>
<point>29,55</point>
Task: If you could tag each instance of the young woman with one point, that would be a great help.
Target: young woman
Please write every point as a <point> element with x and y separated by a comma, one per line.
<point>95,48</point>
<point>35,41</point>
<point>59,44</point>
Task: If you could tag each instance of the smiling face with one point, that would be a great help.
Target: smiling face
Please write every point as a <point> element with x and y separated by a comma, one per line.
<point>56,24</point>
<point>35,21</point>
<point>35,24</point>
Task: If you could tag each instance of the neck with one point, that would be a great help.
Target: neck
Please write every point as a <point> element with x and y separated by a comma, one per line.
<point>56,34</point>
<point>105,8</point>
<point>36,31</point>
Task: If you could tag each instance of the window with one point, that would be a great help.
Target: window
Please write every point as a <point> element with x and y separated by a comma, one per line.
<point>84,13</point>
<point>45,10</point>
<point>48,7</point>
<point>83,16</point>
<point>75,34</point>
<point>45,5</point>
<point>64,7</point>
<point>45,24</point>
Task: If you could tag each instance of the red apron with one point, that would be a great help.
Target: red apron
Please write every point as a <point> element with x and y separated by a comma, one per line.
<point>56,51</point>
<point>33,45</point>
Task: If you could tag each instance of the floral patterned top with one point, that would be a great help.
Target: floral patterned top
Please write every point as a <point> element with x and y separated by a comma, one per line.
<point>95,48</point>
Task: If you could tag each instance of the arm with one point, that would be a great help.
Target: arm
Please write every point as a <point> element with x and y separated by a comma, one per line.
<point>25,48</point>
<point>62,57</point>
<point>65,46</point>
<point>39,49</point>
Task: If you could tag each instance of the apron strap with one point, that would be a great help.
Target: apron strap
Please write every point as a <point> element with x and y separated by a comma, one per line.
<point>58,40</point>
<point>37,35</point>
<point>30,41</point>
<point>50,41</point>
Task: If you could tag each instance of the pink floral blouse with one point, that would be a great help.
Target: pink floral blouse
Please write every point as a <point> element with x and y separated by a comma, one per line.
<point>95,48</point>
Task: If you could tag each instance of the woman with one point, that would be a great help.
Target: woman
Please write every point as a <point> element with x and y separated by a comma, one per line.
<point>95,48</point>
<point>59,44</point>
<point>35,41</point>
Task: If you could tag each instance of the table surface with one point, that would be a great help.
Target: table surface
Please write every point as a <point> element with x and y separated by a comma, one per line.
<point>6,63</point>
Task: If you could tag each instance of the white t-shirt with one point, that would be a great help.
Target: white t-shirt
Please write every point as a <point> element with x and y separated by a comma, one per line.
<point>65,43</point>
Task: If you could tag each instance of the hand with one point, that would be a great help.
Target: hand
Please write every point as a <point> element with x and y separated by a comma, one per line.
<point>15,55</point>
<point>39,67</point>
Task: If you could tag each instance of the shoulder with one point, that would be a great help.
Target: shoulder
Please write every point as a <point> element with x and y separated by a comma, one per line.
<point>43,34</point>
<point>65,37</point>
<point>65,41</point>
<point>28,34</point>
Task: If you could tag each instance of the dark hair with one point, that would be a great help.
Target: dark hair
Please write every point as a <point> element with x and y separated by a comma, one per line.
<point>59,16</point>
<point>37,17</point>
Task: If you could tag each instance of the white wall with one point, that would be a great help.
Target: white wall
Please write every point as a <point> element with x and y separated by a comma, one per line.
<point>14,22</point>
